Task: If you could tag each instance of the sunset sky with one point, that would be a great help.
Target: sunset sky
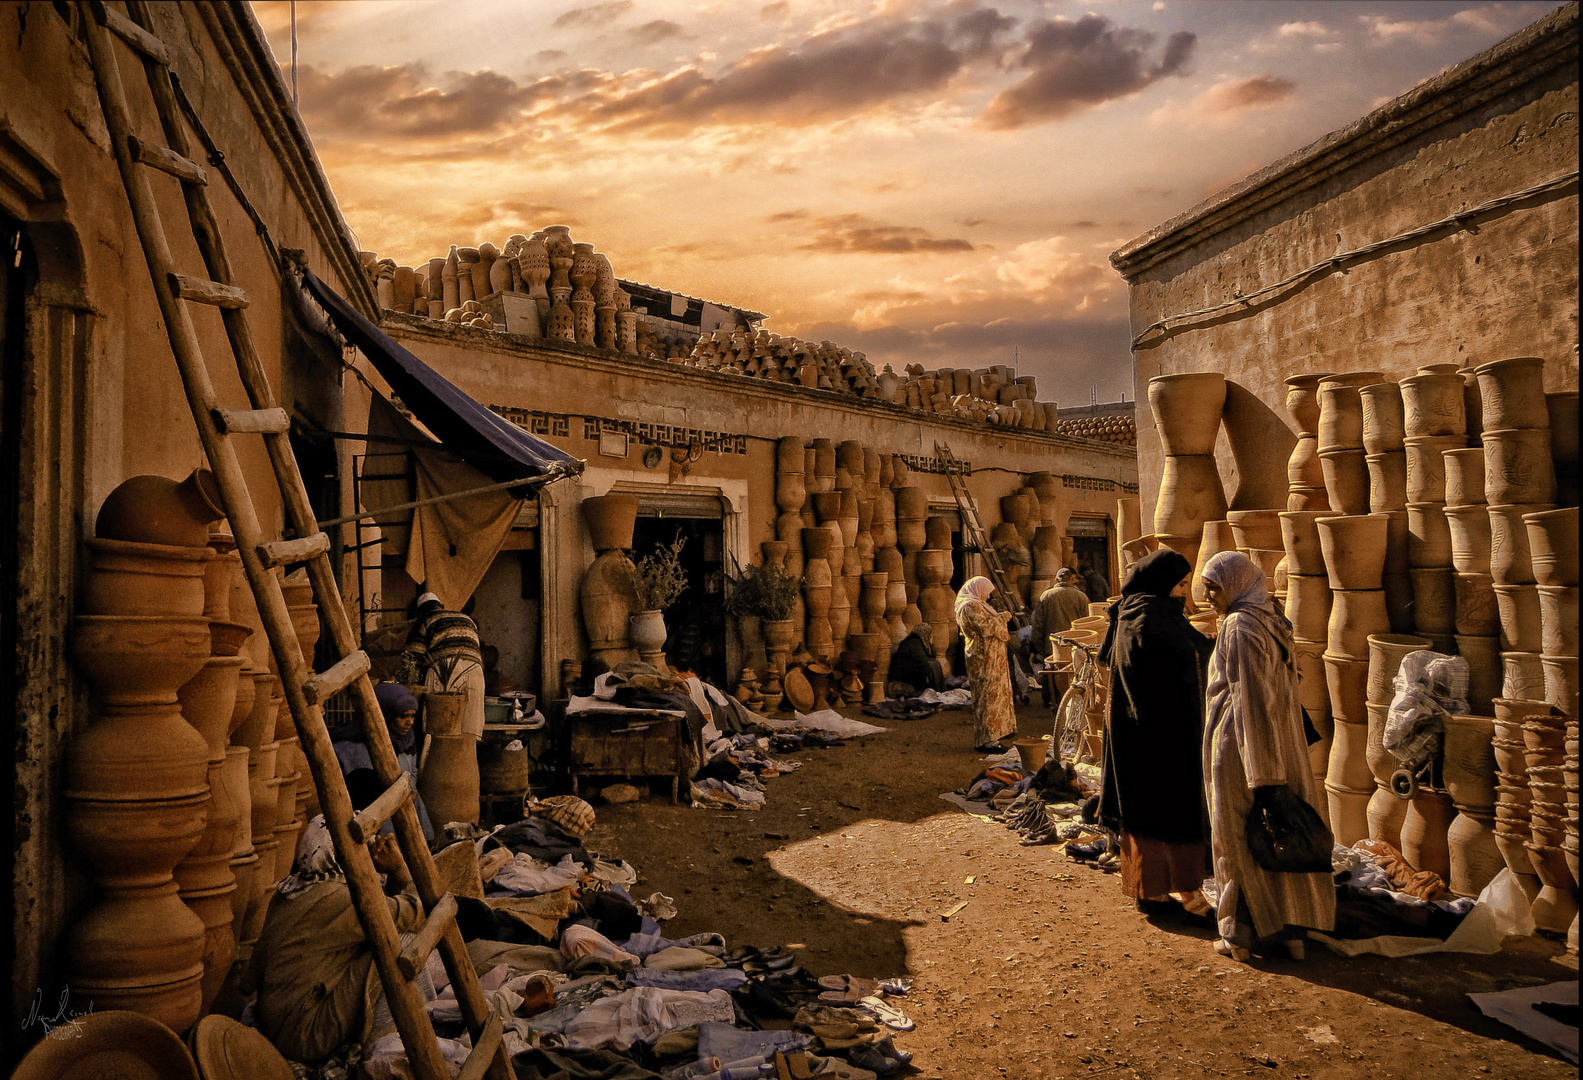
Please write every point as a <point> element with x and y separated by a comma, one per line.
<point>938,181</point>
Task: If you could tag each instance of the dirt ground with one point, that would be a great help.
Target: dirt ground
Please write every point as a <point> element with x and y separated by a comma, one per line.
<point>1048,972</point>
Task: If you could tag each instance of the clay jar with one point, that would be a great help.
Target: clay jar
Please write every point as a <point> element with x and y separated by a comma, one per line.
<point>1354,549</point>
<point>1433,404</point>
<point>1552,537</point>
<point>1426,466</point>
<point>157,510</point>
<point>1383,423</point>
<point>1464,473</point>
<point>1470,538</point>
<point>1256,528</point>
<point>1518,467</point>
<point>611,519</point>
<point>1518,608</point>
<point>1190,494</point>
<point>1428,535</point>
<point>1387,482</point>
<point>1187,411</point>
<point>1511,554</point>
<point>1341,410</point>
<point>1386,652</point>
<point>1512,392</point>
<point>141,951</point>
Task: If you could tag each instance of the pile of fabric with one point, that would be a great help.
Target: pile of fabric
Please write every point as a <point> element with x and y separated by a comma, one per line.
<point>577,968</point>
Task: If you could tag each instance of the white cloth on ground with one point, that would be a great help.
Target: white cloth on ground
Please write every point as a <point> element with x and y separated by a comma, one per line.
<point>579,941</point>
<point>526,876</point>
<point>643,1014</point>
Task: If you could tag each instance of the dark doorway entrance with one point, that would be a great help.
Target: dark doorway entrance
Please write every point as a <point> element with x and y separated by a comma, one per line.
<point>696,622</point>
<point>1091,544</point>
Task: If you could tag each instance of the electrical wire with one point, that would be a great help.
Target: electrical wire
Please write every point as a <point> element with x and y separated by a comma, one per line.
<point>1335,262</point>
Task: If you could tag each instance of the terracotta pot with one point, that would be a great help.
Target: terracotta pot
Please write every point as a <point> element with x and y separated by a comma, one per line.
<point>1354,616</point>
<point>1511,558</point>
<point>912,504</point>
<point>1308,602</point>
<point>227,638</point>
<point>1349,813</point>
<point>1341,410</point>
<point>1521,618</point>
<point>1434,601</point>
<point>1561,682</point>
<point>1469,762</point>
<point>1475,602</point>
<point>130,579</point>
<point>1383,427</point>
<point>1256,528</point>
<point>608,600</point>
<point>1385,816</point>
<point>1475,860</point>
<point>611,519</point>
<point>1518,467</point>
<point>1433,404</point>
<point>1512,392</point>
<point>789,455</point>
<point>157,510</point>
<point>449,782</point>
<point>260,723</point>
<point>1556,905</point>
<point>1424,842</point>
<point>934,566</point>
<point>1470,538</point>
<point>1346,479</point>
<point>140,950</point>
<point>1522,677</point>
<point>1552,537</point>
<point>937,532</point>
<point>1387,482</point>
<point>1483,654</point>
<point>1464,473</point>
<point>1187,410</point>
<point>1558,610</point>
<point>1353,549</point>
<point>219,574</point>
<point>1398,590</point>
<point>1382,763</point>
<point>1190,494</point>
<point>1385,657</point>
<point>136,844</point>
<point>1349,766</point>
<point>1428,536</point>
<point>790,491</point>
<point>1300,538</point>
<point>1303,469</point>
<point>1426,466</point>
<point>209,698</point>
<point>1312,692</point>
<point>242,705</point>
<point>647,632</point>
<point>213,908</point>
<point>1302,400</point>
<point>1347,680</point>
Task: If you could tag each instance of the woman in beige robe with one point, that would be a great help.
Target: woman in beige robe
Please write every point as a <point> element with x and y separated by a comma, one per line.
<point>1253,737</point>
<point>984,639</point>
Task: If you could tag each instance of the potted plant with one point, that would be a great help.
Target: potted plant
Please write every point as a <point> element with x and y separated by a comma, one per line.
<point>658,583</point>
<point>768,595</point>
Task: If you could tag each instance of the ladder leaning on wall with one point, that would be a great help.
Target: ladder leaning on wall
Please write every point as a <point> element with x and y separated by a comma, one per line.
<point>304,690</point>
<point>973,532</point>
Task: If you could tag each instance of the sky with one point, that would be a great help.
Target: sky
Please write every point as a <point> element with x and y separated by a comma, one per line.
<point>929,181</point>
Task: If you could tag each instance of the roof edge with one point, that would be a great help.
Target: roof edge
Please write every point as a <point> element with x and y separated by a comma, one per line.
<point>1528,55</point>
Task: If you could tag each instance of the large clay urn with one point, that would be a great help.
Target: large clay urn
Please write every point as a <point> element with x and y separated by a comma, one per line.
<point>1191,493</point>
<point>1512,391</point>
<point>1354,549</point>
<point>1302,400</point>
<point>1187,410</point>
<point>1433,404</point>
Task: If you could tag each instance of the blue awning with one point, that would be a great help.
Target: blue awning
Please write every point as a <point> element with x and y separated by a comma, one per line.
<point>488,442</point>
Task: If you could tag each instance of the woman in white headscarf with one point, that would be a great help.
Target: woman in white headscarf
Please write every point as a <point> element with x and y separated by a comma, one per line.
<point>1253,738</point>
<point>984,639</point>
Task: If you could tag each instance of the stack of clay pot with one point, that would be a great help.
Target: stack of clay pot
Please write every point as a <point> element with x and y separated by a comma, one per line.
<point>1386,809</point>
<point>1385,455</point>
<point>1187,410</point>
<point>1112,429</point>
<point>818,582</point>
<point>1544,756</point>
<point>1342,457</point>
<point>1258,536</point>
<point>1308,604</point>
<point>1469,777</point>
<point>1519,479</point>
<point>780,635</point>
<point>1354,552</point>
<point>1304,474</point>
<point>1513,798</point>
<point>1553,550</point>
<point>936,602</point>
<point>1429,436</point>
<point>608,599</point>
<point>1476,588</point>
<point>257,734</point>
<point>1015,555</point>
<point>137,779</point>
<point>1569,841</point>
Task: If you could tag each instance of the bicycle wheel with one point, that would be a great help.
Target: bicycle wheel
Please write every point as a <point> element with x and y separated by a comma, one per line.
<point>1071,720</point>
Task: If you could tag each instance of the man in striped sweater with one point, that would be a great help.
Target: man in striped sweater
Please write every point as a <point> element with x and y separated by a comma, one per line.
<point>444,646</point>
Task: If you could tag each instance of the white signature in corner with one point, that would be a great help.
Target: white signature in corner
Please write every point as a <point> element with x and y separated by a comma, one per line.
<point>65,1024</point>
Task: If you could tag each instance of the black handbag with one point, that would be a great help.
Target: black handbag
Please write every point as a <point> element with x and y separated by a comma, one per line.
<point>1286,835</point>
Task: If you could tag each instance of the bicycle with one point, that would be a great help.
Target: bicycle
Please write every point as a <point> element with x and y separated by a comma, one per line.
<point>1071,715</point>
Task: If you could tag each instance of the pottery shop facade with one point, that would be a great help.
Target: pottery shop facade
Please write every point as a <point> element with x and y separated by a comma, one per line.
<point>91,394</point>
<point>699,450</point>
<point>1228,285</point>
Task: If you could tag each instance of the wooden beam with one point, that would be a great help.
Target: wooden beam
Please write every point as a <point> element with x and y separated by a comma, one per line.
<point>204,291</point>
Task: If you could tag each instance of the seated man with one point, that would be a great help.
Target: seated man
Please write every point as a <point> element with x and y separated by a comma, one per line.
<point>914,668</point>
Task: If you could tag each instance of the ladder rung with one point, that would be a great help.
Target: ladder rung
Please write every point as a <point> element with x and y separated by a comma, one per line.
<point>371,817</point>
<point>416,954</point>
<point>252,421</point>
<point>281,552</point>
<point>133,34</point>
<point>204,291</point>
<point>325,685</point>
<point>167,161</point>
<point>484,1050</point>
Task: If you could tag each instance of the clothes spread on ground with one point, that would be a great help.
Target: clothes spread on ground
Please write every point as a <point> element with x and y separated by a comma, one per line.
<point>1254,737</point>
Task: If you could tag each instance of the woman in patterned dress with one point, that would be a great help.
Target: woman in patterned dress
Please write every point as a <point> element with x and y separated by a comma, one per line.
<point>984,638</point>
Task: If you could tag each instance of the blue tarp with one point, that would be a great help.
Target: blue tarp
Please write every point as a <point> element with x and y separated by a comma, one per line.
<point>488,442</point>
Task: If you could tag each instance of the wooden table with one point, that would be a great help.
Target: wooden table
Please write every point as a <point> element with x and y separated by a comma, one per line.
<point>630,743</point>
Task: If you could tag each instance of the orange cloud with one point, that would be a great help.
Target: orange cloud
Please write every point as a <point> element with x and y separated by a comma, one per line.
<point>853,234</point>
<point>1260,91</point>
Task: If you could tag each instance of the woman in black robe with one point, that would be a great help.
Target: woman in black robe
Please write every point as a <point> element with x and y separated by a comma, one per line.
<point>1153,794</point>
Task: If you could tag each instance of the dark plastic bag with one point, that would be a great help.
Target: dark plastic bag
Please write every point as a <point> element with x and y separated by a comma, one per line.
<point>1286,835</point>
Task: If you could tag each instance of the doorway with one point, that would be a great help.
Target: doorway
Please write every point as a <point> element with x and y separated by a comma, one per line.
<point>696,622</point>
<point>1092,545</point>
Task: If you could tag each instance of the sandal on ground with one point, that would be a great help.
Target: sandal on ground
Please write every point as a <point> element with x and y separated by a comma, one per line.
<point>891,1018</point>
<point>882,1057</point>
<point>1235,952</point>
<point>847,989</point>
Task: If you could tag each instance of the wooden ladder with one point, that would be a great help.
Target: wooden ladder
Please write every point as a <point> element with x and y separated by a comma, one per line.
<point>304,690</point>
<point>973,530</point>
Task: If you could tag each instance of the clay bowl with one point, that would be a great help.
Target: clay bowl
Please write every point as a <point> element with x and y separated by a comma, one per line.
<point>116,1044</point>
<point>1553,545</point>
<point>1511,757</point>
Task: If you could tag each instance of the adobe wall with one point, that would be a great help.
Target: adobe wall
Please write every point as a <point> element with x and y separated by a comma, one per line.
<point>1505,285</point>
